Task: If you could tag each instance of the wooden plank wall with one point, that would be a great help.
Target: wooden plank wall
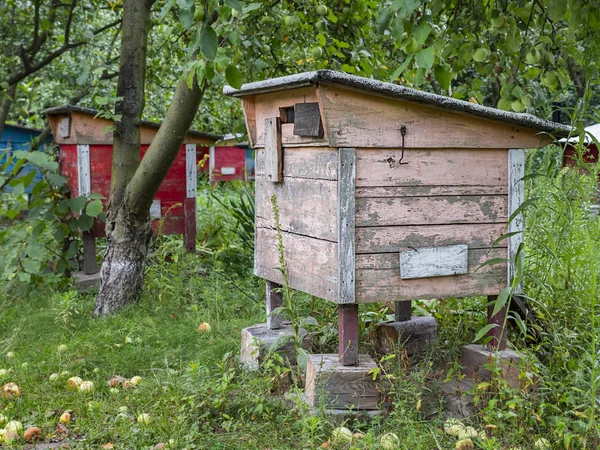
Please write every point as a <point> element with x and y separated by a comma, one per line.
<point>307,202</point>
<point>358,119</point>
<point>266,106</point>
<point>171,194</point>
<point>441,197</point>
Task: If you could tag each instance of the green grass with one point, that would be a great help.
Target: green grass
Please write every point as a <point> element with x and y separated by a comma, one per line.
<point>198,396</point>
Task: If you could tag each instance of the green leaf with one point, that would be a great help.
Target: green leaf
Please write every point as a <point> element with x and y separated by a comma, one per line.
<point>501,300</point>
<point>505,236</point>
<point>443,76</point>
<point>40,159</point>
<point>57,180</point>
<point>234,77</point>
<point>491,261</point>
<point>519,322</point>
<point>85,222</point>
<point>186,17</point>
<point>235,4</point>
<point>165,9</point>
<point>421,32</point>
<point>401,68</point>
<point>481,333</point>
<point>77,204</point>
<point>209,42</point>
<point>280,342</point>
<point>321,40</point>
<point>301,358</point>
<point>384,19</point>
<point>93,208</point>
<point>521,207</point>
<point>557,9</point>
<point>30,265</point>
<point>425,58</point>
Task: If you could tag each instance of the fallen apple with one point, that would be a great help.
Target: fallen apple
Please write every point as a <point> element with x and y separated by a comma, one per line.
<point>204,328</point>
<point>65,417</point>
<point>452,427</point>
<point>464,444</point>
<point>86,386</point>
<point>135,380</point>
<point>54,377</point>
<point>467,432</point>
<point>144,419</point>
<point>390,441</point>
<point>11,437</point>
<point>123,409</point>
<point>14,425</point>
<point>62,348</point>
<point>115,381</point>
<point>10,355</point>
<point>159,446</point>
<point>11,390</point>
<point>127,384</point>
<point>542,444</point>
<point>3,372</point>
<point>33,434</point>
<point>341,436</point>
<point>74,382</point>
<point>3,419</point>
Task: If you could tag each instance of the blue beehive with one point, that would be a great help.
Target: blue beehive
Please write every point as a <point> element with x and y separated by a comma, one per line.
<point>15,137</point>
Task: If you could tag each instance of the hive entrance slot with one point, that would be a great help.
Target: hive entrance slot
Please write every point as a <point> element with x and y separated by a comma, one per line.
<point>286,114</point>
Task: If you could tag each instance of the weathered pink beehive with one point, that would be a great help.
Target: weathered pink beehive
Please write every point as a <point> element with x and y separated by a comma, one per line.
<point>384,193</point>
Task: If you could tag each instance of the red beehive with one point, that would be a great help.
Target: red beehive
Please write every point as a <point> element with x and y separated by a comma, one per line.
<point>86,144</point>
<point>591,153</point>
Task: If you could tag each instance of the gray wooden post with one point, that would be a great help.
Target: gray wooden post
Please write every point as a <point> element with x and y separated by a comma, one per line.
<point>403,311</point>
<point>274,300</point>
<point>89,253</point>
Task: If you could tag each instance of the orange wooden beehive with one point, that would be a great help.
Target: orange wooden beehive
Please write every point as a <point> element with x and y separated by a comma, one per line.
<point>384,193</point>
<point>86,145</point>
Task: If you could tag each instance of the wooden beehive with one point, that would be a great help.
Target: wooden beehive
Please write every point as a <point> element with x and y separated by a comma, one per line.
<point>86,144</point>
<point>384,193</point>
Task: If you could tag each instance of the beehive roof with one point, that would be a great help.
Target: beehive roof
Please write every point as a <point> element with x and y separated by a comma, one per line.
<point>73,108</point>
<point>396,91</point>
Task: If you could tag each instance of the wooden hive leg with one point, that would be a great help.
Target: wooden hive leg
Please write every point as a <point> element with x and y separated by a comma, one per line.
<point>348,334</point>
<point>89,253</point>
<point>189,227</point>
<point>403,311</point>
<point>498,334</point>
<point>274,300</point>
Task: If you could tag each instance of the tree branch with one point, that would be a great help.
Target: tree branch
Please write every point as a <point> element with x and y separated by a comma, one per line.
<point>13,79</point>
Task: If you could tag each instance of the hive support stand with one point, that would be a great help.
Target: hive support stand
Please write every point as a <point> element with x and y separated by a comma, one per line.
<point>274,301</point>
<point>89,276</point>
<point>403,311</point>
<point>344,381</point>
<point>475,357</point>
<point>348,334</point>
<point>258,339</point>
<point>414,333</point>
<point>89,253</point>
<point>189,229</point>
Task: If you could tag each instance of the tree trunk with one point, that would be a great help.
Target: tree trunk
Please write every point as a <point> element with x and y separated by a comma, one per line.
<point>128,229</point>
<point>7,101</point>
<point>127,235</point>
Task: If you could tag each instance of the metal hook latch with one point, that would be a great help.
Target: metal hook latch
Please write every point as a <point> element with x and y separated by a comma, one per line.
<point>403,133</point>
